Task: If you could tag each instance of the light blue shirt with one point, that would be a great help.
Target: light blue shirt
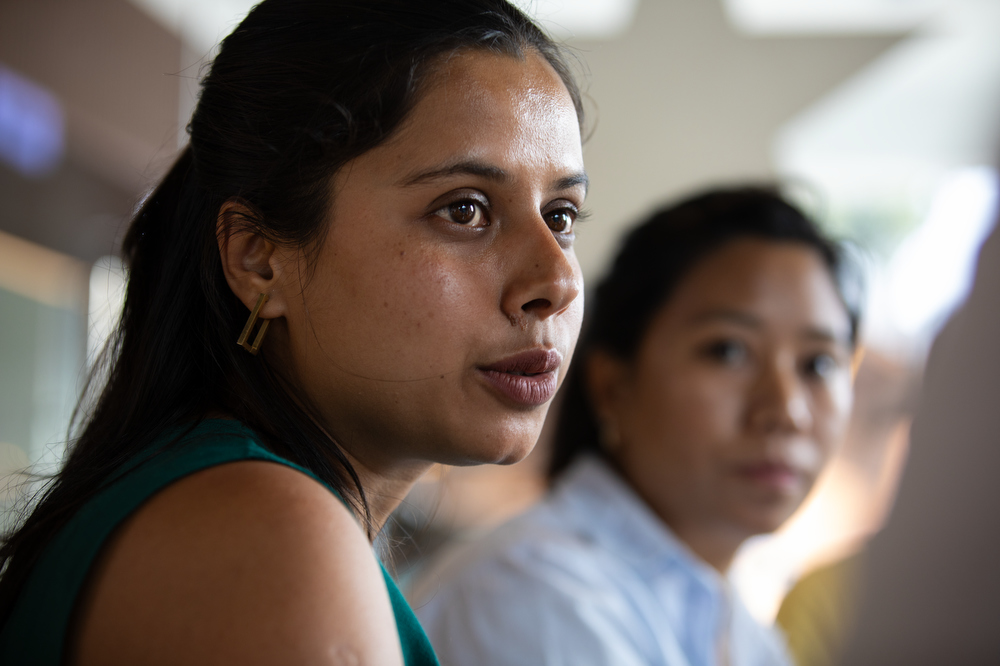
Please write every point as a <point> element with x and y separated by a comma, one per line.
<point>588,577</point>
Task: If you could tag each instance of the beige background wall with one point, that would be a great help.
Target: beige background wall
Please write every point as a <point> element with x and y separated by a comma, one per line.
<point>682,99</point>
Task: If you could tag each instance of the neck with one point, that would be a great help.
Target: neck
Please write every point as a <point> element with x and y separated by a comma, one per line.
<point>716,545</point>
<point>713,543</point>
<point>385,484</point>
<point>717,550</point>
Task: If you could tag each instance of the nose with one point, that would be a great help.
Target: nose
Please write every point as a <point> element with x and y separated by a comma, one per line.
<point>543,278</point>
<point>780,401</point>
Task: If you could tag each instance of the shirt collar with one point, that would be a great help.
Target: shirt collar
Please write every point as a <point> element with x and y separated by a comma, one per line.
<point>605,507</point>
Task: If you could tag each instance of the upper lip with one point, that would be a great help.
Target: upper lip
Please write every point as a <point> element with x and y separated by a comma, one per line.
<point>532,362</point>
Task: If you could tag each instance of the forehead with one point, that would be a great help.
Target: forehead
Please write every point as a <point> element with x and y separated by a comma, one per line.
<point>507,110</point>
<point>785,286</point>
<point>485,82</point>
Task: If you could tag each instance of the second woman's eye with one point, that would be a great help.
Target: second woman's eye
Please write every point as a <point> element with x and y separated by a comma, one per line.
<point>821,365</point>
<point>467,213</point>
<point>726,352</point>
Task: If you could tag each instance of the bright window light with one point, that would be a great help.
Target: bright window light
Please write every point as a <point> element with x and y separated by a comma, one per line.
<point>107,296</point>
<point>931,272</point>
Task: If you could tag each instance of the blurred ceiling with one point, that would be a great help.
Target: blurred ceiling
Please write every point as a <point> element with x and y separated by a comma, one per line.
<point>114,71</point>
<point>203,24</point>
<point>928,106</point>
<point>817,17</point>
<point>683,92</point>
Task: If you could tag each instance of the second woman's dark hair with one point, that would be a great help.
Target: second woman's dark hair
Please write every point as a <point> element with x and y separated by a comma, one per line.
<point>654,258</point>
<point>300,88</point>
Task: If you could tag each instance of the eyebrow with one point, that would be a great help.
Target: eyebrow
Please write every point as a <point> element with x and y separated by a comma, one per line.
<point>488,171</point>
<point>569,182</point>
<point>819,334</point>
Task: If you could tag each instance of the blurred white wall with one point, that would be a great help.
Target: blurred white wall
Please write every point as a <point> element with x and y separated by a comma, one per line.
<point>683,99</point>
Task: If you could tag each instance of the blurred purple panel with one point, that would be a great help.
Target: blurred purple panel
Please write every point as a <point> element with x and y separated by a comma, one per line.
<point>32,129</point>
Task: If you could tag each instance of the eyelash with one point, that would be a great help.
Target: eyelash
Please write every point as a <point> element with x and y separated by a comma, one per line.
<point>732,352</point>
<point>448,210</point>
<point>718,350</point>
<point>571,211</point>
<point>810,365</point>
<point>482,208</point>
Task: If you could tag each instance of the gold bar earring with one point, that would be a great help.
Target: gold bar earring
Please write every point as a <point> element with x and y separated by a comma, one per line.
<point>242,341</point>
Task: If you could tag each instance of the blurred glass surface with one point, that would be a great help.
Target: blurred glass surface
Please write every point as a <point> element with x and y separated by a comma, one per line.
<point>42,329</point>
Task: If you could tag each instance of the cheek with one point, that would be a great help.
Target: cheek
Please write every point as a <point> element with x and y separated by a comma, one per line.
<point>833,413</point>
<point>831,416</point>
<point>418,297</point>
<point>684,414</point>
<point>704,405</point>
<point>396,312</point>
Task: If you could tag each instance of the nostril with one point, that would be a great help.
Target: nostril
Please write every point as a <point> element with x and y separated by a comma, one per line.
<point>537,304</point>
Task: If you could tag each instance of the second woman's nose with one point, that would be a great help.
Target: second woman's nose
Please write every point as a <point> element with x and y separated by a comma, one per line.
<point>780,401</point>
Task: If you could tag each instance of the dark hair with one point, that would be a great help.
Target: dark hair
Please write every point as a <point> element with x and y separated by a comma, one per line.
<point>298,89</point>
<point>654,258</point>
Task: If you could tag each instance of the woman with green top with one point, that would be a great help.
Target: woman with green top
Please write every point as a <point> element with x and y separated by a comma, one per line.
<point>361,265</point>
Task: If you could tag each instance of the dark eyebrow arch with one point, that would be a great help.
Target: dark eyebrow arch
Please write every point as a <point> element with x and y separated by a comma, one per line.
<point>468,168</point>
<point>742,319</point>
<point>825,335</point>
<point>490,172</point>
<point>731,316</point>
<point>569,182</point>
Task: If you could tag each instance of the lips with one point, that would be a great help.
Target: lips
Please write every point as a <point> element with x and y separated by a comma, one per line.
<point>776,475</point>
<point>528,379</point>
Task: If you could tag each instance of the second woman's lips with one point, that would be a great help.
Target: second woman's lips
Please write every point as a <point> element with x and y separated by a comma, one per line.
<point>528,379</point>
<point>774,474</point>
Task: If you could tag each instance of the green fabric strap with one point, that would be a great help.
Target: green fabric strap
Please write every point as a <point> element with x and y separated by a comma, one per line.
<point>35,632</point>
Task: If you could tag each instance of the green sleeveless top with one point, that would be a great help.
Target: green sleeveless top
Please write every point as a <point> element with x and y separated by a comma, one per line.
<point>36,630</point>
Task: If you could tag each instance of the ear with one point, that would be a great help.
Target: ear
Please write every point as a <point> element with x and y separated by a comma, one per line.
<point>252,264</point>
<point>606,383</point>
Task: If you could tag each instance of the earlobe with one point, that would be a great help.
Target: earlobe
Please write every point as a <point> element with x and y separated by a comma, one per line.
<point>251,263</point>
<point>604,377</point>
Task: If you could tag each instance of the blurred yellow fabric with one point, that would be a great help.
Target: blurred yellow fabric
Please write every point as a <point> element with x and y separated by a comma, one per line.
<point>817,616</point>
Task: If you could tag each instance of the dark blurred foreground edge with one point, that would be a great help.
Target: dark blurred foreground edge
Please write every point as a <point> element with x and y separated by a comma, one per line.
<point>931,581</point>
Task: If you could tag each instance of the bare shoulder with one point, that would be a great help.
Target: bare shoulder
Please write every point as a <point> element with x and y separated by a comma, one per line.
<point>250,562</point>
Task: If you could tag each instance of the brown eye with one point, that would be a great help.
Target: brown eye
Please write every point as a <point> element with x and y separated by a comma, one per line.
<point>726,352</point>
<point>466,213</point>
<point>561,221</point>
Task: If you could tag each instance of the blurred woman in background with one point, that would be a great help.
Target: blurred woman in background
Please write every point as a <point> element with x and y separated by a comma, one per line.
<point>388,188</point>
<point>713,383</point>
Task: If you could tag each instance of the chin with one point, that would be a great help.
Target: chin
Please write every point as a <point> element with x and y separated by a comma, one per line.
<point>514,456</point>
<point>765,518</point>
<point>506,451</point>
